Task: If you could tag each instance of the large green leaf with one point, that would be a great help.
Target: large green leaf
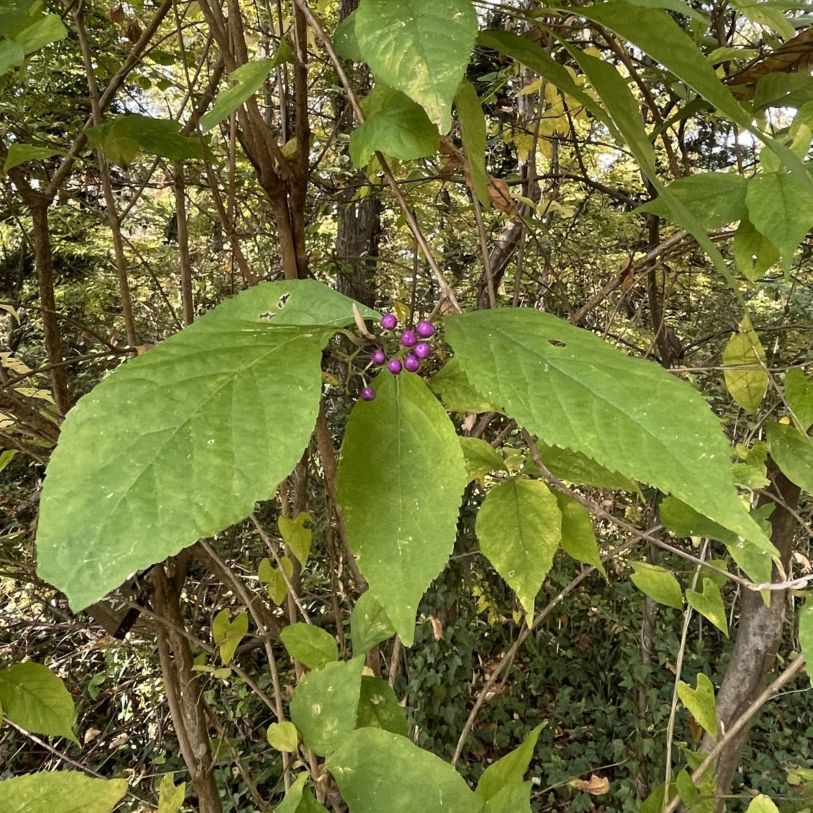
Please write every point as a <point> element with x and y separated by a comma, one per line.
<point>420,47</point>
<point>376,771</point>
<point>781,209</point>
<point>473,133</point>
<point>574,390</point>
<point>510,769</point>
<point>32,696</point>
<point>519,527</point>
<point>716,198</point>
<point>400,481</point>
<point>124,137</point>
<point>60,792</point>
<point>181,442</point>
<point>395,126</point>
<point>324,705</point>
<point>793,453</point>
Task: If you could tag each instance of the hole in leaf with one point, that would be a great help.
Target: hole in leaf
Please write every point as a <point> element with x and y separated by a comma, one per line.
<point>557,343</point>
<point>268,315</point>
<point>282,301</point>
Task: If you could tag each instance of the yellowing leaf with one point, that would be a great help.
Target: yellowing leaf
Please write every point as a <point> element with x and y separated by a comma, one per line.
<point>170,795</point>
<point>227,634</point>
<point>709,604</point>
<point>282,737</point>
<point>297,535</point>
<point>274,580</point>
<point>746,378</point>
<point>657,583</point>
<point>701,703</point>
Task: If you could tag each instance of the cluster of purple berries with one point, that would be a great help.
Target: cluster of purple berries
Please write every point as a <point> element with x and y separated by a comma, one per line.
<point>413,342</point>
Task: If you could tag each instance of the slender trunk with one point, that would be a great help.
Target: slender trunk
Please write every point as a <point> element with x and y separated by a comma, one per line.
<point>184,261</point>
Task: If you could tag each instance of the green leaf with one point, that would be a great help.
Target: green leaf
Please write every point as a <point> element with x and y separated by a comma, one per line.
<point>6,457</point>
<point>420,47</point>
<point>11,55</point>
<point>311,646</point>
<point>324,705</point>
<point>806,634</point>
<point>510,769</point>
<point>783,90</point>
<point>379,707</point>
<point>369,624</point>
<point>747,383</point>
<point>578,536</point>
<point>12,12</point>
<point>42,32</point>
<point>762,804</point>
<point>248,79</point>
<point>395,126</point>
<point>657,583</point>
<point>344,40</point>
<point>473,133</point>
<point>253,363</point>
<point>376,770</point>
<point>401,531</point>
<point>792,452</point>
<point>297,535</point>
<point>22,153</point>
<point>716,198</point>
<point>274,580</point>
<point>700,703</point>
<point>754,253</point>
<point>124,137</point>
<point>577,468</point>
<point>480,458</point>
<point>32,696</point>
<point>170,795</point>
<point>227,634</point>
<point>58,792</point>
<point>519,527</point>
<point>282,737</point>
<point>511,799</point>
<point>799,392</point>
<point>299,798</point>
<point>568,387</point>
<point>451,385</point>
<point>682,520</point>
<point>781,209</point>
<point>709,604</point>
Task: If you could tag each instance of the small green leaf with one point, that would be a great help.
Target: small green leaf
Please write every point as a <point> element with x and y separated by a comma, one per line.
<point>451,385</point>
<point>32,696</point>
<point>297,535</point>
<point>324,705</point>
<point>282,737</point>
<point>799,392</point>
<point>369,624</point>
<point>473,133</point>
<point>792,452</point>
<point>577,468</point>
<point>401,531</point>
<point>299,798</point>
<point>248,79</point>
<point>657,583</point>
<point>746,377</point>
<point>58,792</point>
<point>754,253</point>
<point>124,137</point>
<point>578,536</point>
<point>395,126</point>
<point>420,47</point>
<point>379,707</point>
<point>701,703</point>
<point>781,209</point>
<point>377,770</point>
<point>510,769</point>
<point>311,646</point>
<point>709,604</point>
<point>806,634</point>
<point>762,804</point>
<point>227,634</point>
<point>481,458</point>
<point>22,153</point>
<point>170,795</point>
<point>6,457</point>
<point>274,580</point>
<point>519,527</point>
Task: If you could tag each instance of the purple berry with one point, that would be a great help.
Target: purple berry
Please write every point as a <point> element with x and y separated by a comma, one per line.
<point>389,321</point>
<point>368,394</point>
<point>412,363</point>
<point>378,356</point>
<point>394,366</point>
<point>408,338</point>
<point>425,329</point>
<point>422,350</point>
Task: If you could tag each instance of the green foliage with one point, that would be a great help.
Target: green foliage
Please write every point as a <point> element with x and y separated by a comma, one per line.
<point>709,603</point>
<point>22,153</point>
<point>473,133</point>
<point>58,792</point>
<point>480,458</point>
<point>369,624</point>
<point>793,453</point>
<point>799,392</point>
<point>510,770</point>
<point>519,527</point>
<point>311,646</point>
<point>747,382</point>
<point>33,697</point>
<point>170,795</point>
<point>701,703</point>
<point>125,137</point>
<point>806,634</point>
<point>227,633</point>
<point>402,541</point>
<point>379,707</point>
<point>419,47</point>
<point>657,583</point>
<point>299,798</point>
<point>282,737</point>
<point>578,536</point>
<point>297,535</point>
<point>762,804</point>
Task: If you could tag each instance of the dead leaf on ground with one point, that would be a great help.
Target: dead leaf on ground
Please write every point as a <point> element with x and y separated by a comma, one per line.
<point>595,786</point>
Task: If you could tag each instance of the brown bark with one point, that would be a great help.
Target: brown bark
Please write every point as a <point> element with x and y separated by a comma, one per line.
<point>758,637</point>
